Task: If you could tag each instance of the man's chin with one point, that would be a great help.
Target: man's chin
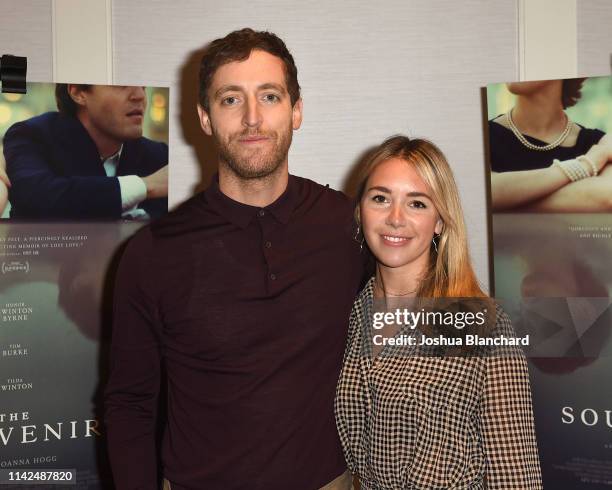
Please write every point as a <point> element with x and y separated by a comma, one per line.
<point>131,133</point>
<point>252,172</point>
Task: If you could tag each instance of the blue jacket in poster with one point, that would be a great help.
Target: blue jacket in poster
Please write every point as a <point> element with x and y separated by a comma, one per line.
<point>56,172</point>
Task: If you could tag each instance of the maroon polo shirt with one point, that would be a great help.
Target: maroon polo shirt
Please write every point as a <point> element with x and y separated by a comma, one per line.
<point>248,309</point>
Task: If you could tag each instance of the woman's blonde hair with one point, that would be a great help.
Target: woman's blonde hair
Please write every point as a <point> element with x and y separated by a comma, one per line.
<point>450,272</point>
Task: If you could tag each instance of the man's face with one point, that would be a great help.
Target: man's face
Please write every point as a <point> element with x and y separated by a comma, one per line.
<point>250,115</point>
<point>116,112</point>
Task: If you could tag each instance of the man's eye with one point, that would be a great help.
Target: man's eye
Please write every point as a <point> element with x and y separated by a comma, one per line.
<point>271,98</point>
<point>229,101</point>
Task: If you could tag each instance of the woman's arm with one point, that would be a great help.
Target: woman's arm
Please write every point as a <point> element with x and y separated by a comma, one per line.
<point>511,190</point>
<point>590,195</point>
<point>549,189</point>
<point>506,420</point>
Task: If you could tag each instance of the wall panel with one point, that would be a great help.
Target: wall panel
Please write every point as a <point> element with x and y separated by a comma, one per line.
<point>594,18</point>
<point>25,30</point>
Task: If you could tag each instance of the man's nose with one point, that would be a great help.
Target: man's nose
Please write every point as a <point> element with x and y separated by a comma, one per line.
<point>137,93</point>
<point>252,115</point>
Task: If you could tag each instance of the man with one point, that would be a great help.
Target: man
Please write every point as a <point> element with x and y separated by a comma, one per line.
<point>89,160</point>
<point>244,294</point>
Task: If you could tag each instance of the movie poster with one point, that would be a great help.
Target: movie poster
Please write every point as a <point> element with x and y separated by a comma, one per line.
<point>65,224</point>
<point>551,223</point>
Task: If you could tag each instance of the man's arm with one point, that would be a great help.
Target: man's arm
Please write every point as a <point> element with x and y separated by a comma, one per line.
<point>133,387</point>
<point>38,192</point>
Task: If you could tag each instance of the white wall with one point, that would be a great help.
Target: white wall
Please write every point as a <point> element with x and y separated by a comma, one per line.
<point>25,30</point>
<point>367,71</point>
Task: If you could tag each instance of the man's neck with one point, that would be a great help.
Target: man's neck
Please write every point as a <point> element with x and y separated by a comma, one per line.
<point>253,192</point>
<point>106,146</point>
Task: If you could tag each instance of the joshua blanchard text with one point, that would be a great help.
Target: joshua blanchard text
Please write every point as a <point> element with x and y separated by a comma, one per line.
<point>441,340</point>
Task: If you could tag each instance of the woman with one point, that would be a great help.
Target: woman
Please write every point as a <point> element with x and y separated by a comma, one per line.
<point>526,142</point>
<point>409,422</point>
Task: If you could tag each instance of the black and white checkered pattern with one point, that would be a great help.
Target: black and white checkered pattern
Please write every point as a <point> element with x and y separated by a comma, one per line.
<point>409,422</point>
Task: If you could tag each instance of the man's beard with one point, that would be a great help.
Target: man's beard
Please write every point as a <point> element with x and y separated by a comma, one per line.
<point>257,163</point>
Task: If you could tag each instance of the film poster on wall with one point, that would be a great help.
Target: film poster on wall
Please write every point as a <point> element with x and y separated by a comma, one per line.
<point>551,231</point>
<point>64,222</point>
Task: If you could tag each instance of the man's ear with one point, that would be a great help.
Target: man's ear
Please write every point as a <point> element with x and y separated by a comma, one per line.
<point>297,114</point>
<point>204,120</point>
<point>77,93</point>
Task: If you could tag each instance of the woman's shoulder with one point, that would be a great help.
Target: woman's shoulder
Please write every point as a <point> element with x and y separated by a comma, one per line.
<point>507,342</point>
<point>498,127</point>
<point>363,302</point>
<point>589,136</point>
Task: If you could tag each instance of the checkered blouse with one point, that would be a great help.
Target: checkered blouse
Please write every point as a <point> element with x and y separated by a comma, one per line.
<point>409,422</point>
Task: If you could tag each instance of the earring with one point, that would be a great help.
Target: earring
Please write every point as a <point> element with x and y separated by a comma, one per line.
<point>433,240</point>
<point>356,238</point>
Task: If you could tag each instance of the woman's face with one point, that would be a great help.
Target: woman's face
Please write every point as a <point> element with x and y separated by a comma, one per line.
<point>398,217</point>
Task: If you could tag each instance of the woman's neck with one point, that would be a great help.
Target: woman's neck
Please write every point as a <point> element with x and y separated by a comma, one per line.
<point>396,282</point>
<point>541,114</point>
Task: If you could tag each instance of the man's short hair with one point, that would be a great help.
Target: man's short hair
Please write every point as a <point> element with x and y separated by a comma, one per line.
<point>64,102</point>
<point>237,46</point>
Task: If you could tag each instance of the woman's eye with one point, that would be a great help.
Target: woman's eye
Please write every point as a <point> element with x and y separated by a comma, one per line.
<point>379,199</point>
<point>418,204</point>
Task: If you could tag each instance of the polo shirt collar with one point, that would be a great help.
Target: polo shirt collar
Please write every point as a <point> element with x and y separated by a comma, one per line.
<point>242,214</point>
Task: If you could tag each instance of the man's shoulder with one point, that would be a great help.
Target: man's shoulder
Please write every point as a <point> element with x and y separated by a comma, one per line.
<point>45,119</point>
<point>41,123</point>
<point>150,144</point>
<point>311,193</point>
<point>182,220</point>
<point>145,148</point>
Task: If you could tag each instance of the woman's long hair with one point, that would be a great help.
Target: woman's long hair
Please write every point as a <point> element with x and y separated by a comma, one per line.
<point>450,272</point>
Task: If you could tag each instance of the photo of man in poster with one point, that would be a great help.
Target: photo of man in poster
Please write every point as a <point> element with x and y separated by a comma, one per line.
<point>89,160</point>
